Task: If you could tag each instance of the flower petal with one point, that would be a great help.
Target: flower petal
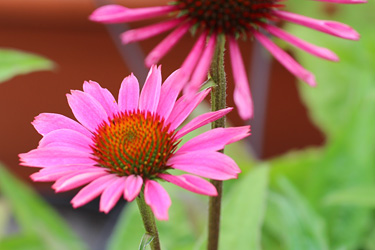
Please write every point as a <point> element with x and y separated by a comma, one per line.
<point>286,60</point>
<point>88,111</point>
<point>158,199</point>
<point>166,45</point>
<point>66,138</point>
<point>183,107</point>
<point>92,190</point>
<point>114,13</point>
<point>143,33</point>
<point>192,183</point>
<point>149,99</point>
<point>102,95</point>
<point>168,94</point>
<point>215,139</point>
<point>55,173</point>
<point>112,194</point>
<point>202,120</point>
<point>213,165</point>
<point>56,156</point>
<point>129,94</point>
<point>242,94</point>
<point>77,179</point>
<point>308,47</point>
<point>133,185</point>
<point>330,27</point>
<point>47,122</point>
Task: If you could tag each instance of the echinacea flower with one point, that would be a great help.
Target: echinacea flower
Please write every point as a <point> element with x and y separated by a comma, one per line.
<point>235,19</point>
<point>124,148</point>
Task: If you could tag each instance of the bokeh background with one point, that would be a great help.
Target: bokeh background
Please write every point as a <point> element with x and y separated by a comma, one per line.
<point>308,168</point>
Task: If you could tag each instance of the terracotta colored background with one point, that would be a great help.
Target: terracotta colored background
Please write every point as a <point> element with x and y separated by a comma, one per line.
<point>83,50</point>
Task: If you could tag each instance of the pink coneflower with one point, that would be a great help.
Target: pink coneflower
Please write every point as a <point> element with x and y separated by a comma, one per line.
<point>122,149</point>
<point>207,19</point>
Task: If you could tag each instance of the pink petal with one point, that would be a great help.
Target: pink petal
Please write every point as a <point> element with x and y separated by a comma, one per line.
<point>215,139</point>
<point>183,108</point>
<point>112,194</point>
<point>56,156</point>
<point>201,70</point>
<point>47,122</point>
<point>192,183</point>
<point>168,94</point>
<point>143,33</point>
<point>213,165</point>
<point>344,1</point>
<point>164,46</point>
<point>202,120</point>
<point>308,47</point>
<point>102,95</point>
<point>133,185</point>
<point>92,190</point>
<point>242,94</point>
<point>88,111</point>
<point>194,56</point>
<point>330,27</point>
<point>286,60</point>
<point>77,179</point>
<point>129,94</point>
<point>115,13</point>
<point>149,99</point>
<point>55,173</point>
<point>158,199</point>
<point>66,138</point>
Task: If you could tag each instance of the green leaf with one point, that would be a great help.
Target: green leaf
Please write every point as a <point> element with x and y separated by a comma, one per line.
<point>146,240</point>
<point>15,62</point>
<point>35,216</point>
<point>22,242</point>
<point>353,196</point>
<point>243,211</point>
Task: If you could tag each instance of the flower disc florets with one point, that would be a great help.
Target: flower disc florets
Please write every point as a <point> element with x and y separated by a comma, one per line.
<point>134,143</point>
<point>228,16</point>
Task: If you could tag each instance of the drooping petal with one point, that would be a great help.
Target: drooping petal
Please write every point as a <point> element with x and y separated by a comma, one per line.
<point>192,183</point>
<point>158,199</point>
<point>308,47</point>
<point>55,173</point>
<point>149,99</point>
<point>183,108</point>
<point>213,165</point>
<point>133,185</point>
<point>201,120</point>
<point>116,13</point>
<point>129,94</point>
<point>47,122</point>
<point>77,179</point>
<point>330,27</point>
<point>102,95</point>
<point>166,45</point>
<point>92,190</point>
<point>66,138</point>
<point>168,94</point>
<point>201,70</point>
<point>286,60</point>
<point>88,111</point>
<point>143,33</point>
<point>112,194</point>
<point>215,139</point>
<point>242,94</point>
<point>55,156</point>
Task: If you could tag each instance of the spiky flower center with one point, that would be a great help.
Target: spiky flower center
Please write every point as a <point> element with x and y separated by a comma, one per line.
<point>228,16</point>
<point>134,143</point>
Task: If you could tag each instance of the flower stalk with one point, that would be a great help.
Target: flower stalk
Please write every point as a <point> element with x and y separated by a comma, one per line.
<point>148,222</point>
<point>218,101</point>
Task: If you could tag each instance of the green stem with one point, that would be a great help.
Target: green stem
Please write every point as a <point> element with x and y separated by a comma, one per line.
<point>148,222</point>
<point>218,101</point>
